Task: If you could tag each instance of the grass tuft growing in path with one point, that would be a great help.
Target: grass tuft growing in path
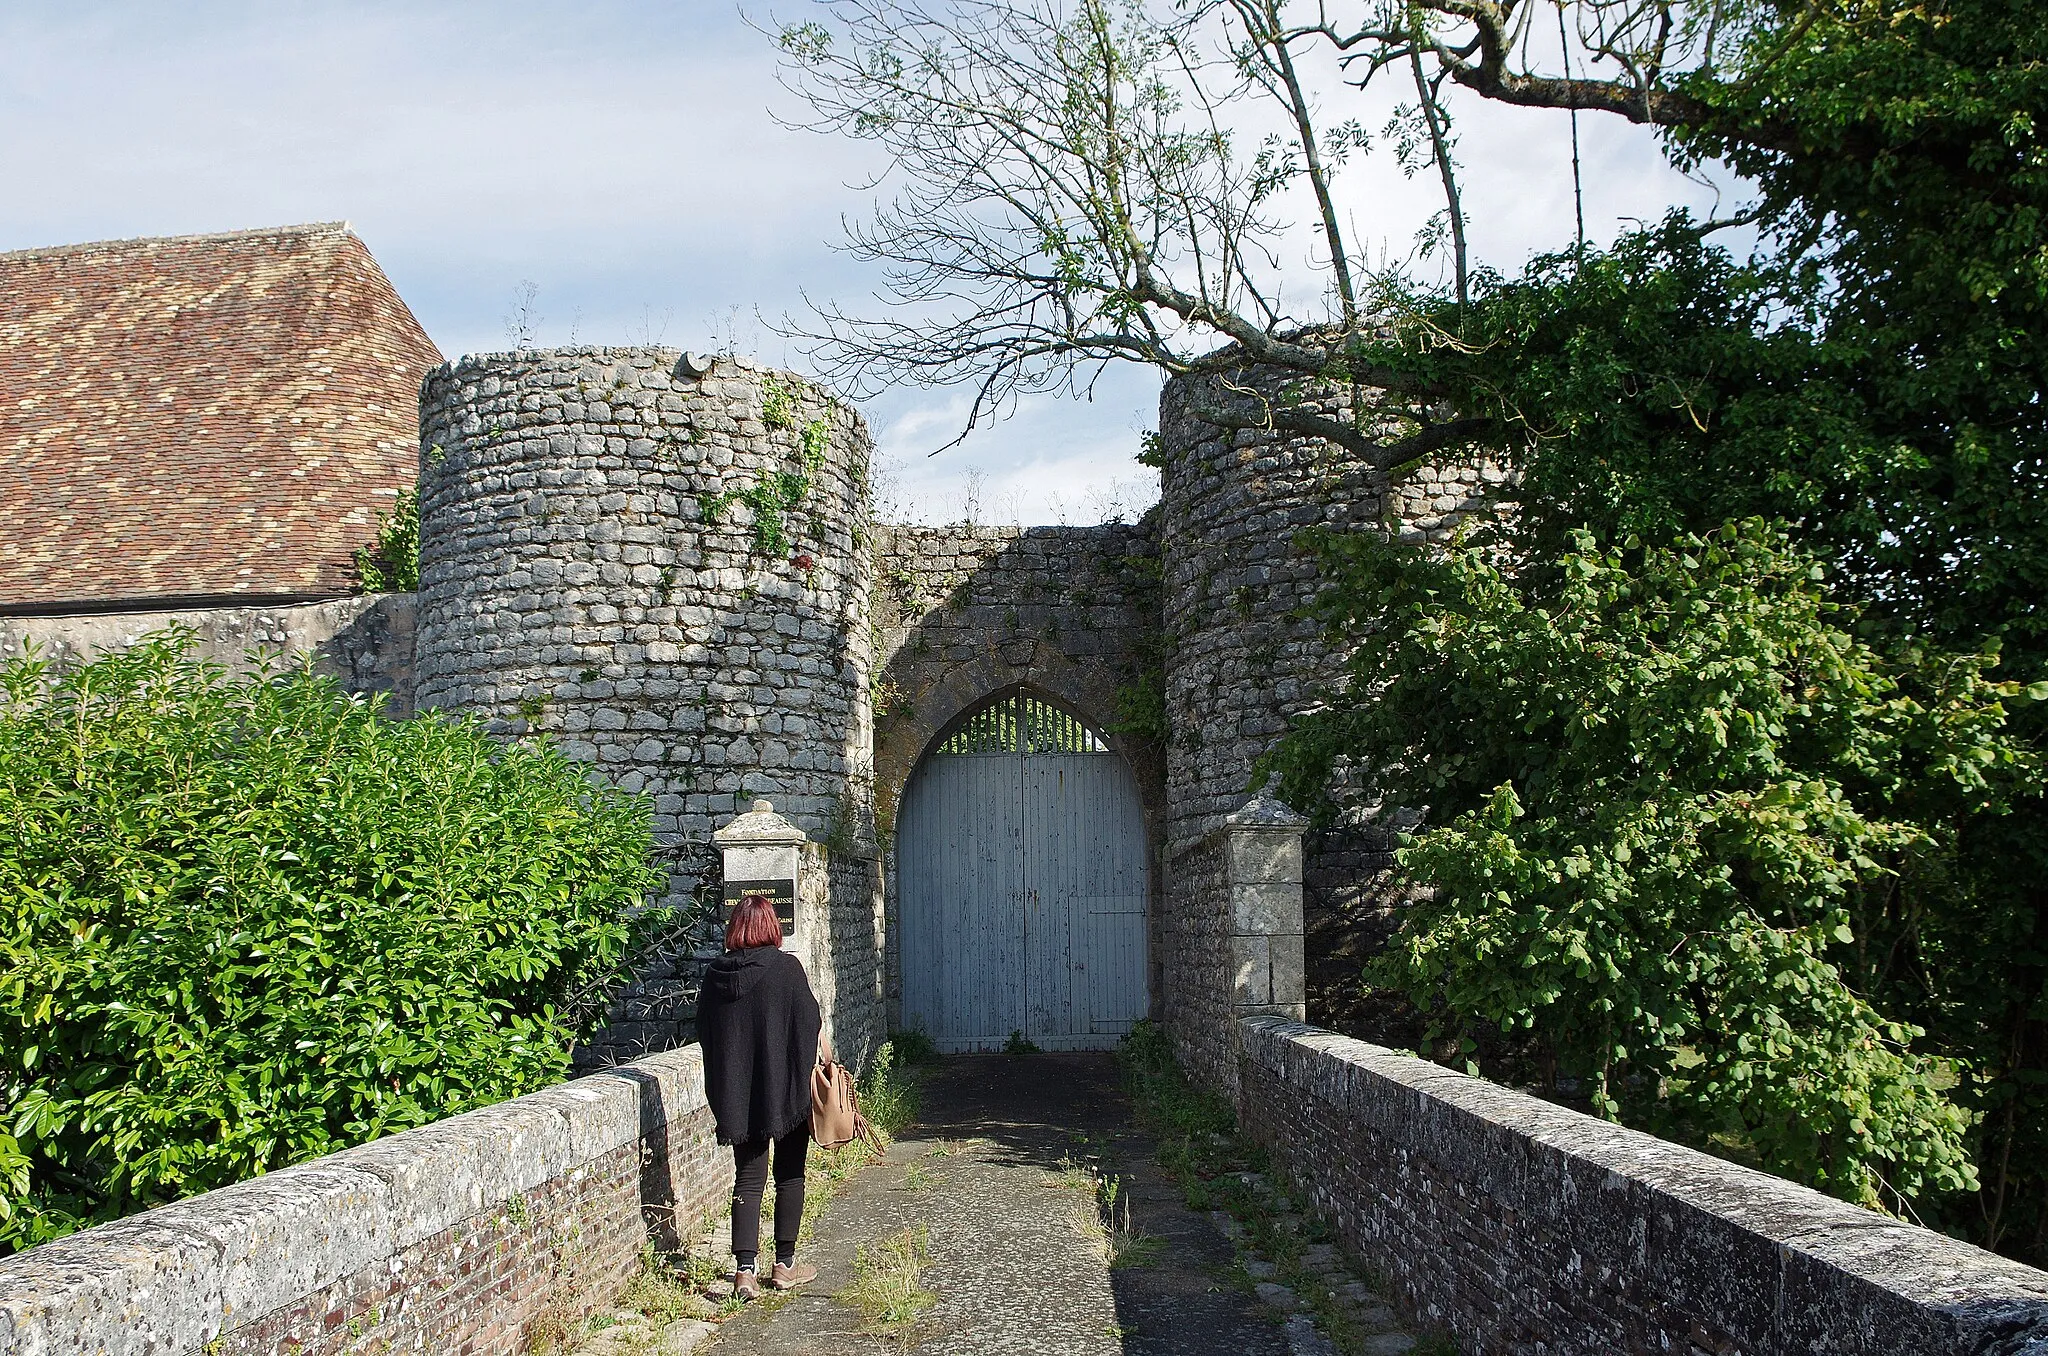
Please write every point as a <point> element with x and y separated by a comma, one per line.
<point>888,1282</point>
<point>1216,1170</point>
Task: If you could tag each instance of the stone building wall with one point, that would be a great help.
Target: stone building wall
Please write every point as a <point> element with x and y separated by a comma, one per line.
<point>365,642</point>
<point>963,613</point>
<point>1240,661</point>
<point>594,566</point>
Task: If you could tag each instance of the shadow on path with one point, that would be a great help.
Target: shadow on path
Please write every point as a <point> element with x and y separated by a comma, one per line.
<point>989,1171</point>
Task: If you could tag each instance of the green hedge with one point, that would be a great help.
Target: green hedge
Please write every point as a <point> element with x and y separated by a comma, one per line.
<point>246,922</point>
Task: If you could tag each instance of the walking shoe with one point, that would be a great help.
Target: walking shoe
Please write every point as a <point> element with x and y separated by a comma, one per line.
<point>791,1276</point>
<point>746,1285</point>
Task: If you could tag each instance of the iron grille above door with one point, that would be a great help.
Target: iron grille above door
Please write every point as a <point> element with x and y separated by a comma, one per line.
<point>1022,724</point>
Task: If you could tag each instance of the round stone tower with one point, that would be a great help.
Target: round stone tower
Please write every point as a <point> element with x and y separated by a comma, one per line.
<point>1240,663</point>
<point>662,562</point>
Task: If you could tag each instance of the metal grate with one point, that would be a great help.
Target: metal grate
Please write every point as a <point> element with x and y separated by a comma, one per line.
<point>1022,724</point>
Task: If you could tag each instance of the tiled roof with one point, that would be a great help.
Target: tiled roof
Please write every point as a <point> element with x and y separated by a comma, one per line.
<point>200,416</point>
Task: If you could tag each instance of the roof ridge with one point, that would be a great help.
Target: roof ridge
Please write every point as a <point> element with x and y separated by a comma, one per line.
<point>205,237</point>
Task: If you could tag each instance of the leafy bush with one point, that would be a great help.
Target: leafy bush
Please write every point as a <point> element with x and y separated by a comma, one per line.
<point>393,565</point>
<point>247,922</point>
<point>1669,789</point>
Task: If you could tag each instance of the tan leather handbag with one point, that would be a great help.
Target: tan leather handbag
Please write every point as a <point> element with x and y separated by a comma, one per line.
<point>835,1109</point>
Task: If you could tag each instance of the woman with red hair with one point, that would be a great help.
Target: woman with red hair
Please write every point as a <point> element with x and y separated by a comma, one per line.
<point>760,1028</point>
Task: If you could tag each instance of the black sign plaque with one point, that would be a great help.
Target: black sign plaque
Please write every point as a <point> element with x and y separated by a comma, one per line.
<point>782,893</point>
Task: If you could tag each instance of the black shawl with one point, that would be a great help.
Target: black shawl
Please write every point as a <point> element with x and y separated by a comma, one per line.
<point>758,1023</point>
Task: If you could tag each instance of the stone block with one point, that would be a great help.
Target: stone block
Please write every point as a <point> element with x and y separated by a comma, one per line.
<point>1290,970</point>
<point>133,1285</point>
<point>1265,909</point>
<point>1261,856</point>
<point>289,1233</point>
<point>1251,964</point>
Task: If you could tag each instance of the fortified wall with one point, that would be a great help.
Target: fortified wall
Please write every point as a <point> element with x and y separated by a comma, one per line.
<point>1240,661</point>
<point>666,570</point>
<point>667,566</point>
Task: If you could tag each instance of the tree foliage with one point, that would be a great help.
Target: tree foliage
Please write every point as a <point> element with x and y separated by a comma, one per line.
<point>1867,384</point>
<point>1664,787</point>
<point>245,923</point>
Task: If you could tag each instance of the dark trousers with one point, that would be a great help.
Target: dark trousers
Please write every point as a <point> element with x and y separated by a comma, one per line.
<point>750,1179</point>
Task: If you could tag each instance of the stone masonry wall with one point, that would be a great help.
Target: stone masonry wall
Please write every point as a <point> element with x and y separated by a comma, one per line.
<point>572,580</point>
<point>964,613</point>
<point>858,1021</point>
<point>1522,1226</point>
<point>593,566</point>
<point>461,1236</point>
<point>365,642</point>
<point>1240,660</point>
<point>1192,942</point>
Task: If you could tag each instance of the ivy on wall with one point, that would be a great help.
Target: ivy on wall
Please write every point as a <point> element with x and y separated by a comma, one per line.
<point>777,494</point>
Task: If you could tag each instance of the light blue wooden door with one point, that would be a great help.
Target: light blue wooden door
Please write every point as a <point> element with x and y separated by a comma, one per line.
<point>1022,884</point>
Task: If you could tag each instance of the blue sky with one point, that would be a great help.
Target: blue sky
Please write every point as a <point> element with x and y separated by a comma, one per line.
<point>623,157</point>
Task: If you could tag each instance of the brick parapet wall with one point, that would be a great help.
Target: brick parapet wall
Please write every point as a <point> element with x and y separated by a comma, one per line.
<point>1522,1226</point>
<point>459,1236</point>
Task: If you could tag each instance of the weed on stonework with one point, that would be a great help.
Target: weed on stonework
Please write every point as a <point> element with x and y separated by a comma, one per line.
<point>890,1090</point>
<point>1216,1170</point>
<point>668,1288</point>
<point>888,1289</point>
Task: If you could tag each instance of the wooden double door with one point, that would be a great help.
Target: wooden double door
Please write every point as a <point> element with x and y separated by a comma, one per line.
<point>1022,884</point>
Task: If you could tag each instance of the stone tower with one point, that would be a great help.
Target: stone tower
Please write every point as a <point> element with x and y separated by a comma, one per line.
<point>662,564</point>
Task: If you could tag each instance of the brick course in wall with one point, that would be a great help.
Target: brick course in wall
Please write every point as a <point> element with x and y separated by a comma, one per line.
<point>1525,1227</point>
<point>462,1236</point>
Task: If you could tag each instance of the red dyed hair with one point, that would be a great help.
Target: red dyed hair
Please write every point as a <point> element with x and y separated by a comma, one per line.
<point>753,924</point>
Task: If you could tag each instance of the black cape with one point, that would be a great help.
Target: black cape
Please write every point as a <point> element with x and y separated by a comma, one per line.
<point>758,1023</point>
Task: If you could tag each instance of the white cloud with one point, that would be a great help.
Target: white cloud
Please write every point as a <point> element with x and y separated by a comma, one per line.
<point>620,154</point>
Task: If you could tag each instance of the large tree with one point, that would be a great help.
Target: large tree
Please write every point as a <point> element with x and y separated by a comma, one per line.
<point>1108,180</point>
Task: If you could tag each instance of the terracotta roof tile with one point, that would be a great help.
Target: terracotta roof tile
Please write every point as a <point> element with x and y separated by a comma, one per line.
<point>200,415</point>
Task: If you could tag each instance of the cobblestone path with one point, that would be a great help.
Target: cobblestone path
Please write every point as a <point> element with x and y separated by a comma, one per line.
<point>1001,1181</point>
